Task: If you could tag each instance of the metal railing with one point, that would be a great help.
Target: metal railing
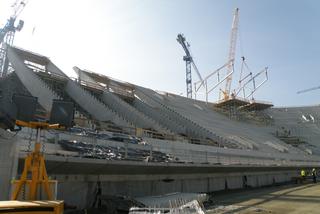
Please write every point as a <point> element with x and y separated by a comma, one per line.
<point>180,155</point>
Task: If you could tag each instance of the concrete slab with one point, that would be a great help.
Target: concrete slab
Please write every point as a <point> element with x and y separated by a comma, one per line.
<point>275,200</point>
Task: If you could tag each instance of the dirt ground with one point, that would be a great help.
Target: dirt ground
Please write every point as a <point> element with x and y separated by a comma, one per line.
<point>292,199</point>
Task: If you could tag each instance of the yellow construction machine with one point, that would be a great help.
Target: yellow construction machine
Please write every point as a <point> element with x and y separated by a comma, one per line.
<point>34,191</point>
<point>33,180</point>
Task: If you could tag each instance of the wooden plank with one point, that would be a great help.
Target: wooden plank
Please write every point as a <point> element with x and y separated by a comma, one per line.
<point>16,204</point>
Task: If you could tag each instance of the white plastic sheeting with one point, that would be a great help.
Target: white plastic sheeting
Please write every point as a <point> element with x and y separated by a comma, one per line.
<point>192,207</point>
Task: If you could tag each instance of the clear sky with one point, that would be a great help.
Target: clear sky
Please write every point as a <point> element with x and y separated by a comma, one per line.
<point>135,40</point>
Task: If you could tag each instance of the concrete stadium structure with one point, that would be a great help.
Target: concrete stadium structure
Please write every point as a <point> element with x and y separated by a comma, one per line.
<point>158,142</point>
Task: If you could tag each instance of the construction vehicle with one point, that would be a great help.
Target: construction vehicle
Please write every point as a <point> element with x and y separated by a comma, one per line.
<point>28,190</point>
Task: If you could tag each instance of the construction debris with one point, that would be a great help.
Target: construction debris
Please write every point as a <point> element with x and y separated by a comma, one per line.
<point>89,150</point>
<point>173,203</point>
<point>192,207</point>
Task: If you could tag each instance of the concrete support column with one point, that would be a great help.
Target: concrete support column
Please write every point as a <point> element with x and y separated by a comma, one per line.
<point>126,150</point>
<point>8,162</point>
<point>56,140</point>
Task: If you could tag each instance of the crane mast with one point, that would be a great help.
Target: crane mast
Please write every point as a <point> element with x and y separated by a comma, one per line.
<point>7,34</point>
<point>232,53</point>
<point>189,62</point>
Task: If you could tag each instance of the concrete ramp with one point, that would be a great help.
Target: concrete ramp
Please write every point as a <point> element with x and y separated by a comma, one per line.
<point>130,113</point>
<point>193,129</point>
<point>158,116</point>
<point>91,104</point>
<point>31,81</point>
<point>118,105</point>
<point>96,108</point>
<point>22,62</point>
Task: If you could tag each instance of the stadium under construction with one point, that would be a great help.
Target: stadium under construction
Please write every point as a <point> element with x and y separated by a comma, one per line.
<point>122,140</point>
<point>135,141</point>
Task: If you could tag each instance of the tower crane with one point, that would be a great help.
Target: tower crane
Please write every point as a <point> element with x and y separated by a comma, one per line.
<point>7,33</point>
<point>232,53</point>
<point>309,89</point>
<point>189,61</point>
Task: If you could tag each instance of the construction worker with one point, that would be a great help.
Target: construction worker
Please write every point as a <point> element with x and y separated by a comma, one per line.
<point>314,175</point>
<point>303,175</point>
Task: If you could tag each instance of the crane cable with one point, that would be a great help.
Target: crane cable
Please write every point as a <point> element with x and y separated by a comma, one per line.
<point>240,40</point>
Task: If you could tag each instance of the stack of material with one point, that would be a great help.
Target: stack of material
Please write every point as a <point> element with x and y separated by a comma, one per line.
<point>172,200</point>
<point>89,150</point>
<point>192,207</point>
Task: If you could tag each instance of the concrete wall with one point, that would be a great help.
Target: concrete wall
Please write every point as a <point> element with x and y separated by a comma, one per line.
<point>79,190</point>
<point>191,152</point>
<point>8,163</point>
<point>74,193</point>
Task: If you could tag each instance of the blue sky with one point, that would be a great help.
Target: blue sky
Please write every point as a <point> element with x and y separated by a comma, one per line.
<point>135,40</point>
